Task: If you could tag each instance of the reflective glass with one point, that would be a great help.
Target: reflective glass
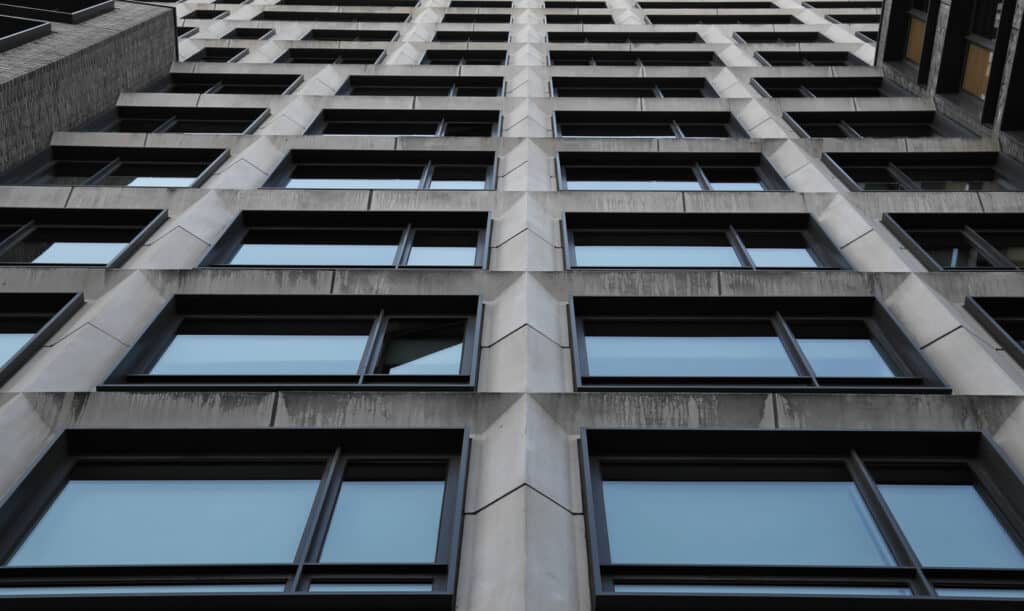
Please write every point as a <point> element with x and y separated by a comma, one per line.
<point>655,256</point>
<point>369,587</point>
<point>316,254</point>
<point>422,347</point>
<point>353,183</point>
<point>781,257</point>
<point>737,522</point>
<point>668,356</point>
<point>736,186</point>
<point>385,521</point>
<point>261,355</point>
<point>133,522</point>
<point>442,256</point>
<point>950,525</point>
<point>96,253</point>
<point>632,185</point>
<point>145,589</point>
<point>844,358</point>
<point>160,181</point>
<point>10,343</point>
<point>980,592</point>
<point>457,185</point>
<point>752,589</point>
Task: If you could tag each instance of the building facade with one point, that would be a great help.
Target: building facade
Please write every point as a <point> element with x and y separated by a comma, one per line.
<point>524,305</point>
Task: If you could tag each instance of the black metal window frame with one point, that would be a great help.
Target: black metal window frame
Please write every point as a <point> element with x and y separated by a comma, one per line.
<point>106,161</point>
<point>656,87</point>
<point>633,58</point>
<point>818,244</point>
<point>913,372</point>
<point>220,55</point>
<point>471,36</point>
<point>339,17</point>
<point>697,163</point>
<point>206,14</point>
<point>401,85</point>
<point>723,19</point>
<point>847,122</point>
<point>208,83</point>
<point>377,160</point>
<point>310,55</point>
<point>1007,172</point>
<point>676,121</point>
<point>168,119</point>
<point>73,11</point>
<point>350,35</point>
<point>477,18</point>
<point>299,227</point>
<point>845,4</point>
<point>971,227</point>
<point>185,32</point>
<point>816,86</point>
<point>444,120</point>
<point>503,4</point>
<point>854,18</point>
<point>579,18</point>
<point>707,4</point>
<point>863,458</point>
<point>243,33</point>
<point>334,454</point>
<point>465,57</point>
<point>634,38</point>
<point>378,3</point>
<point>42,314</point>
<point>241,313</point>
<point>808,58</point>
<point>20,224</point>
<point>15,31</point>
<point>576,4</point>
<point>999,316</point>
<point>781,37</point>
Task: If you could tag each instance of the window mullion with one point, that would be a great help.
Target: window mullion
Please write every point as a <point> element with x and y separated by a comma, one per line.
<point>792,348</point>
<point>741,249</point>
<point>698,172</point>
<point>103,172</point>
<point>428,171</point>
<point>849,130</point>
<point>404,246</point>
<point>902,178</point>
<point>319,516</point>
<point>166,125</point>
<point>373,339</point>
<point>677,130</point>
<point>997,258</point>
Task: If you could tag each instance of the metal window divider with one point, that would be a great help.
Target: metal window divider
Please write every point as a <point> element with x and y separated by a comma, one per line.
<point>404,247</point>
<point>318,521</point>
<point>427,175</point>
<point>792,347</point>
<point>103,172</point>
<point>166,125</point>
<point>375,336</point>
<point>702,179</point>
<point>902,178</point>
<point>442,126</point>
<point>677,129</point>
<point>739,247</point>
<point>848,129</point>
<point>989,251</point>
<point>17,236</point>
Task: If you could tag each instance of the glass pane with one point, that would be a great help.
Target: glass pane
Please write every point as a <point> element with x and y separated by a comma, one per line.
<point>656,256</point>
<point>10,343</point>
<point>687,356</point>
<point>353,183</point>
<point>370,587</point>
<point>151,181</point>
<point>342,255</point>
<point>105,522</point>
<point>443,249</point>
<point>781,257</point>
<point>261,355</point>
<point>951,526</point>
<point>771,590</point>
<point>385,521</point>
<point>423,347</point>
<point>950,249</point>
<point>736,522</point>
<point>96,253</point>
<point>632,185</point>
<point>145,589</point>
<point>980,592</point>
<point>845,358</point>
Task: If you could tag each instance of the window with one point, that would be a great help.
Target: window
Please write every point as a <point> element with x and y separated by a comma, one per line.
<point>423,86</point>
<point>184,32</point>
<point>708,4</point>
<point>753,241</point>
<point>780,37</point>
<point>273,15</point>
<point>434,170</point>
<point>991,241</point>
<point>256,84</point>
<point>27,321</point>
<point>889,124</point>
<point>206,14</point>
<point>917,24</point>
<point>625,37</point>
<point>470,36</point>
<point>584,18</point>
<point>330,56</point>
<point>667,172</point>
<point>249,34</point>
<point>574,4</point>
<point>223,55</point>
<point>1002,317</point>
<point>405,3</point>
<point>711,519</point>
<point>351,35</point>
<point>830,87</point>
<point>15,31</point>
<point>851,18</point>
<point>119,167</point>
<point>65,11</point>
<point>845,4</point>
<point>985,18</point>
<point>249,515</point>
<point>569,124</point>
<point>715,19</point>
<point>476,18</point>
<point>465,123</point>
<point>576,87</point>
<point>927,171</point>
<point>306,341</point>
<point>634,58</point>
<point>807,58</point>
<point>463,58</point>
<point>46,236</point>
<point>354,239</point>
<point>479,4</point>
<point>166,119</point>
<point>786,344</point>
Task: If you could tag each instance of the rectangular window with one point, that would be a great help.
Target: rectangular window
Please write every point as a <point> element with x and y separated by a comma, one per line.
<point>354,239</point>
<point>780,37</point>
<point>463,58</point>
<point>580,87</point>
<point>977,242</point>
<point>167,119</point>
<point>119,167</point>
<point>579,18</point>
<point>753,241</point>
<point>253,84</point>
<point>64,11</point>
<point>569,124</point>
<point>853,18</point>
<point>27,321</point>
<point>575,4</point>
<point>830,87</point>
<point>480,4</point>
<point>917,24</point>
<point>470,36</point>
<point>241,514</point>
<point>667,172</point>
<point>721,19</point>
<point>442,86</point>
<point>206,14</point>
<point>764,344</point>
<point>405,3</point>
<point>798,519</point>
<point>297,55</point>
<point>339,342</point>
<point>468,123</point>
<point>272,15</point>
<point>223,55</point>
<point>624,37</point>
<point>351,35</point>
<point>476,18</point>
<point>808,58</point>
<point>927,171</point>
<point>709,4</point>
<point>889,124</point>
<point>634,58</point>
<point>16,31</point>
<point>249,34</point>
<point>1003,319</point>
<point>436,170</point>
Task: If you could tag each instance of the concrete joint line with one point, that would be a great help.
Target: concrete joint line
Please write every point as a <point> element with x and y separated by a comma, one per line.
<point>946,334</point>
<point>514,168</point>
<point>524,326</point>
<point>522,231</point>
<point>514,490</point>
<point>173,229</point>
<point>82,326</point>
<point>857,238</point>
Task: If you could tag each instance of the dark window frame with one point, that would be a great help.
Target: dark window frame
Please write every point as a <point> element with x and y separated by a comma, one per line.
<point>781,37</point>
<point>51,310</point>
<point>220,55</point>
<point>464,57</point>
<point>623,37</point>
<point>636,58</point>
<point>708,4</point>
<point>993,313</point>
<point>443,118</point>
<point>775,18</point>
<point>1005,169</point>
<point>207,14</point>
<point>427,160</point>
<point>860,457</point>
<point>882,87</point>
<point>297,312</point>
<point>655,86</point>
<point>913,372</point>
<point>808,58</point>
<point>32,171</point>
<point>575,4</point>
<point>350,35</point>
<point>216,83</point>
<point>121,453</point>
<point>15,31</point>
<point>244,33</point>
<point>697,163</point>
<point>477,18</point>
<point>967,225</point>
<point>497,36</point>
<point>395,84</point>
<point>87,10</point>
<point>579,18</point>
<point>675,120</point>
<point>320,55</point>
<point>323,16</point>
<point>847,122</point>
<point>170,117</point>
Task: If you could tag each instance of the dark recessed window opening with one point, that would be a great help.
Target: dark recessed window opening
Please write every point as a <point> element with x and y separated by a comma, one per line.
<point>476,18</point>
<point>480,4</point>
<point>780,37</point>
<point>27,321</point>
<point>851,18</point>
<point>255,517</point>
<point>751,241</point>
<point>625,37</point>
<point>570,124</point>
<point>123,167</point>
<point>166,119</point>
<point>1003,318</point>
<point>16,31</point>
<point>576,87</point>
<point>272,15</point>
<point>206,14</point>
<point>470,36</point>
<point>309,341</point>
<point>574,4</point>
<point>351,35</point>
<point>222,55</point>
<point>584,18</point>
<point>434,170</point>
<point>65,11</point>
<point>249,33</point>
<point>977,242</point>
<point>423,86</point>
<point>185,32</point>
<point>403,3</point>
<point>45,236</point>
<point>707,4</point>
<point>870,36</point>
<point>354,239</point>
<point>713,19</point>
<point>330,56</point>
<point>834,344</point>
<point>890,124</point>
<point>354,122</point>
<point>845,4</point>
<point>800,519</point>
<point>831,87</point>
<point>915,30</point>
<point>255,84</point>
<point>667,172</point>
<point>464,58</point>
<point>979,46</point>
<point>808,58</point>
<point>634,58</point>
<point>927,171</point>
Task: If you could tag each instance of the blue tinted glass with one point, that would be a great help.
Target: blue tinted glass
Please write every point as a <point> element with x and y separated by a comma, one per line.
<point>951,526</point>
<point>424,357</point>
<point>147,589</point>
<point>844,358</point>
<point>736,186</point>
<point>261,355</point>
<point>10,343</point>
<point>162,181</point>
<point>460,185</point>
<point>980,592</point>
<point>687,356</point>
<point>96,253</point>
<point>752,589</point>
<point>353,183</point>
<point>443,256</point>
<point>632,185</point>
<point>794,523</point>
<point>370,587</point>
<point>316,254</point>
<point>170,522</point>
<point>656,256</point>
<point>385,521</point>
<point>781,257</point>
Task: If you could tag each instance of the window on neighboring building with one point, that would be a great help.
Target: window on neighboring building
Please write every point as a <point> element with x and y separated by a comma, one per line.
<point>476,18</point>
<point>330,56</point>
<point>168,119</point>
<point>840,344</point>
<point>667,172</point>
<point>272,15</point>
<point>980,45</point>
<point>873,124</point>
<point>1003,318</point>
<point>655,240</point>
<point>780,37</point>
<point>16,31</point>
<point>634,58</point>
<point>927,171</point>
<point>586,124</point>
<point>122,167</point>
<point>990,241</point>
<point>309,341</point>
<point>624,37</point>
<point>801,519</point>
<point>463,58</point>
<point>576,87</point>
<point>378,169</point>
<point>470,36</point>
<point>808,58</point>
<point>423,86</point>
<point>65,11</point>
<point>256,513</point>
<point>720,19</point>
<point>580,18</point>
<point>28,320</point>
<point>250,84</point>
<point>223,55</point>
<point>249,33</point>
<point>351,35</point>
<point>917,24</point>
<point>352,122</point>
<point>829,87</point>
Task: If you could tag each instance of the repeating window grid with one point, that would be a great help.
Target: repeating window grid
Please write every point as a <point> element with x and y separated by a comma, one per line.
<point>989,252</point>
<point>698,169</point>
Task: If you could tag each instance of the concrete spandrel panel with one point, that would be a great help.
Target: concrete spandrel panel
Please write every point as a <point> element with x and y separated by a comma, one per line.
<point>475,411</point>
<point>659,410</point>
<point>179,410</point>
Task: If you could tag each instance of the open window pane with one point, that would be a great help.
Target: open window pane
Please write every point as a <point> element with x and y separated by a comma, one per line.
<point>844,358</point>
<point>134,522</point>
<point>423,347</point>
<point>261,355</point>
